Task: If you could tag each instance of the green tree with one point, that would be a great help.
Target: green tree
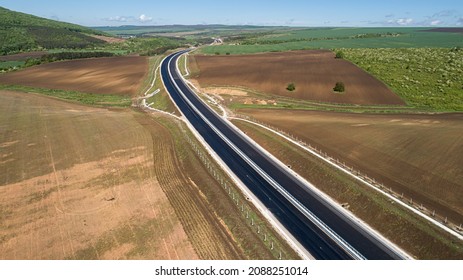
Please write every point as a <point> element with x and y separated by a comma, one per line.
<point>339,55</point>
<point>291,87</point>
<point>339,87</point>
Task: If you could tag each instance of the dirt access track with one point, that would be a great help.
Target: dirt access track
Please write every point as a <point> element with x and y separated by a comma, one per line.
<point>109,75</point>
<point>417,155</point>
<point>78,182</point>
<point>314,72</point>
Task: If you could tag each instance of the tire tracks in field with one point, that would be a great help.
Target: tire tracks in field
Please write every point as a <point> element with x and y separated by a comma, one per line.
<point>58,211</point>
<point>207,235</point>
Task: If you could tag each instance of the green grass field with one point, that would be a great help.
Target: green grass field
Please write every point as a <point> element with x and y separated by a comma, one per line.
<point>330,38</point>
<point>5,65</point>
<point>426,78</point>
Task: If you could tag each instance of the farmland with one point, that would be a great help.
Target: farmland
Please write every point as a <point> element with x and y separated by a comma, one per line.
<point>416,236</point>
<point>202,32</point>
<point>73,187</point>
<point>404,145</point>
<point>417,155</point>
<point>412,148</point>
<point>114,75</point>
<point>421,65</point>
<point>331,38</point>
<point>109,182</point>
<point>314,74</point>
<point>102,196</point>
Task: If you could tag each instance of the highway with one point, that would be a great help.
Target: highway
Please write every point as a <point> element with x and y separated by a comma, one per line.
<point>324,230</point>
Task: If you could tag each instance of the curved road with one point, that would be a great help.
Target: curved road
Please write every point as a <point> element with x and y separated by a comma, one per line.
<point>324,230</point>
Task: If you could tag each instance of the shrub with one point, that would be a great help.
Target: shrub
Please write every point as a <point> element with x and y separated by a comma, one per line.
<point>291,87</point>
<point>339,87</point>
<point>32,61</point>
<point>339,55</point>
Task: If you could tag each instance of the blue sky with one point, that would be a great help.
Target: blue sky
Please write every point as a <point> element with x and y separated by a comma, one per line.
<point>289,12</point>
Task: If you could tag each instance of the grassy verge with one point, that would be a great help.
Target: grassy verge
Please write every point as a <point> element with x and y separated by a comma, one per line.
<point>76,96</point>
<point>161,100</point>
<point>181,65</point>
<point>413,234</point>
<point>153,63</point>
<point>297,104</point>
<point>346,108</point>
<point>247,226</point>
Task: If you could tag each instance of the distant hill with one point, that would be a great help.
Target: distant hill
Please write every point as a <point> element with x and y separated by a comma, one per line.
<point>199,29</point>
<point>23,32</point>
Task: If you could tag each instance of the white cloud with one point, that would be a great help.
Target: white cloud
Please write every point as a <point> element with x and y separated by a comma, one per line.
<point>435,22</point>
<point>143,18</point>
<point>400,21</point>
<point>460,21</point>
<point>404,21</point>
<point>118,19</point>
<point>130,19</point>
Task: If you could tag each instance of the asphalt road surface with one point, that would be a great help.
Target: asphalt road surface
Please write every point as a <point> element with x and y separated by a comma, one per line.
<point>324,230</point>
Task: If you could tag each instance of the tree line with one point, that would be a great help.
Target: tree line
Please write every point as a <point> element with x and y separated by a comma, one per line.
<point>257,41</point>
<point>52,57</point>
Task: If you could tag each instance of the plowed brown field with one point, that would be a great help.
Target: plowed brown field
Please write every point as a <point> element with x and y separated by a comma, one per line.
<point>108,75</point>
<point>79,182</point>
<point>314,73</point>
<point>418,155</point>
<point>73,187</point>
<point>201,224</point>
